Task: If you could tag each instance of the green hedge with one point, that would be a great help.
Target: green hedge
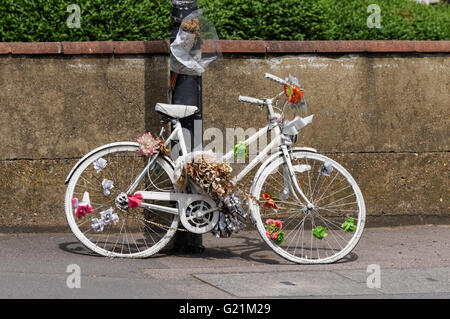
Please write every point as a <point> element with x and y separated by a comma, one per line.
<point>45,20</point>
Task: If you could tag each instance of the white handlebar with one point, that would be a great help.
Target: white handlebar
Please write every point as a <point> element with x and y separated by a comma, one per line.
<point>262,102</point>
<point>275,78</point>
<point>251,100</point>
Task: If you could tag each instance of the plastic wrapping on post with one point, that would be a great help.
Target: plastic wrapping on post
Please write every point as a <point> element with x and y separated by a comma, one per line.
<point>195,46</point>
<point>183,3</point>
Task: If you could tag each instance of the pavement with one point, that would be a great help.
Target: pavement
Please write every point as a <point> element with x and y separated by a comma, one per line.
<point>412,261</point>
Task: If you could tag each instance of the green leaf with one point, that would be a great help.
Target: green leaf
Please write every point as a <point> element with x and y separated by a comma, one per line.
<point>349,225</point>
<point>240,150</point>
<point>289,91</point>
<point>280,239</point>
<point>320,232</point>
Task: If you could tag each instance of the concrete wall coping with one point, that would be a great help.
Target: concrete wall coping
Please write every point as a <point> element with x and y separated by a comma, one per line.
<point>227,46</point>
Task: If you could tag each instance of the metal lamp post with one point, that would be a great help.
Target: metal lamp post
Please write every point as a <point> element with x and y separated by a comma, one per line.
<point>187,90</point>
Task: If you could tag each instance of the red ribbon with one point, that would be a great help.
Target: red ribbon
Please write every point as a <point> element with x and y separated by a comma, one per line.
<point>134,200</point>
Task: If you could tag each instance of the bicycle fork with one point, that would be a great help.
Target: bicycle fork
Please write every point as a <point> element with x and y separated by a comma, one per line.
<point>289,179</point>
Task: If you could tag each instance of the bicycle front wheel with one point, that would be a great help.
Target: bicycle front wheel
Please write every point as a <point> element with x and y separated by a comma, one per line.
<point>324,234</point>
<point>110,229</point>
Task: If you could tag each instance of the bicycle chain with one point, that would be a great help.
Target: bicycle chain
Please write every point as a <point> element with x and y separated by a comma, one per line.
<point>164,226</point>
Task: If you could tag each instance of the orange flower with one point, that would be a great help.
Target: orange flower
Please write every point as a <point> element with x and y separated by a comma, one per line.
<point>269,201</point>
<point>293,93</point>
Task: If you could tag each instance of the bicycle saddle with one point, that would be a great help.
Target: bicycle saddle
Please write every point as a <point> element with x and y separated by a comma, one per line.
<point>177,111</point>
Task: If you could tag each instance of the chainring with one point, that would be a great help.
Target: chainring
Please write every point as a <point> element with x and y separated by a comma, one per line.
<point>194,218</point>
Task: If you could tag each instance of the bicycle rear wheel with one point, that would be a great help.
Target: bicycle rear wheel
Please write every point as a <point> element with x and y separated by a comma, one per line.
<point>111,230</point>
<point>324,234</point>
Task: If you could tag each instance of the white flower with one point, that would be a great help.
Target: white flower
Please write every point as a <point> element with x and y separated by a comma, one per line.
<point>107,186</point>
<point>100,164</point>
<point>326,169</point>
<point>97,225</point>
<point>108,216</point>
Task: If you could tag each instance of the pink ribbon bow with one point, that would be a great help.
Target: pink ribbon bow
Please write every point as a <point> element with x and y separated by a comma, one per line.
<point>81,210</point>
<point>134,200</point>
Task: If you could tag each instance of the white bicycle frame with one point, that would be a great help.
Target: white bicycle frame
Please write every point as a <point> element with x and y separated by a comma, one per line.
<point>277,142</point>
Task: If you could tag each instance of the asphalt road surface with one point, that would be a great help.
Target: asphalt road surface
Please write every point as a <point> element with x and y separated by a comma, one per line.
<point>413,262</point>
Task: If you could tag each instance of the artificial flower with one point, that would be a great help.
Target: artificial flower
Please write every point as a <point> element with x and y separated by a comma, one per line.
<point>273,231</point>
<point>240,150</point>
<point>100,164</point>
<point>326,169</point>
<point>293,93</point>
<point>148,145</point>
<point>320,232</point>
<point>349,225</point>
<point>107,186</point>
<point>82,208</point>
<point>107,217</point>
<point>97,225</point>
<point>270,203</point>
<point>211,175</point>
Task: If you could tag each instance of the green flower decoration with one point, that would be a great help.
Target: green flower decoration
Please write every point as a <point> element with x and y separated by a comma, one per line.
<point>349,225</point>
<point>289,91</point>
<point>280,238</point>
<point>320,232</point>
<point>240,150</point>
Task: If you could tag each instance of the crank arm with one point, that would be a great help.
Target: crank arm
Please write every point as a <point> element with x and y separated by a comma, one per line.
<point>182,199</point>
<point>172,197</point>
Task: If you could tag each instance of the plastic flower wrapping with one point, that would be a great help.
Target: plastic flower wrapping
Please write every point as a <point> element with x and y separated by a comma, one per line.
<point>240,150</point>
<point>195,46</point>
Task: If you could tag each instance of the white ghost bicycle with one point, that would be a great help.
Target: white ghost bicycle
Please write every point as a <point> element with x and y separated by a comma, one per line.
<point>305,206</point>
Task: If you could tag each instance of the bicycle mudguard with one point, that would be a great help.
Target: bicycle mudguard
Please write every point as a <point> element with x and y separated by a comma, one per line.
<point>275,156</point>
<point>101,148</point>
